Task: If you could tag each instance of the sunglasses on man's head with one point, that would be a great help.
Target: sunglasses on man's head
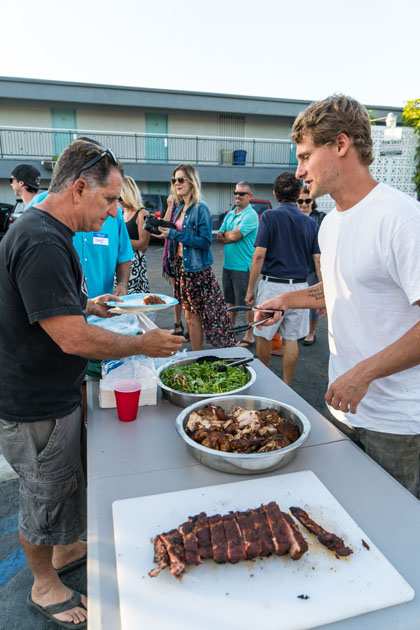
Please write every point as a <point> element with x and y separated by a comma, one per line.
<point>105,153</point>
<point>304,201</point>
<point>239,193</point>
<point>179,180</point>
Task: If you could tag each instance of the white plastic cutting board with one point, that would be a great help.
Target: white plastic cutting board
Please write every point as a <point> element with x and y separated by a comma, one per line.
<point>249,595</point>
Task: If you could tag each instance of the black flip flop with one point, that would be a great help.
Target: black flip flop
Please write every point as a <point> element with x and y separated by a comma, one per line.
<point>72,565</point>
<point>49,611</point>
<point>309,343</point>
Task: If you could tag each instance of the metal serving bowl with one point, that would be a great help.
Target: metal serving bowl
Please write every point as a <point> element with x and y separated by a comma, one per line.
<point>238,463</point>
<point>183,399</point>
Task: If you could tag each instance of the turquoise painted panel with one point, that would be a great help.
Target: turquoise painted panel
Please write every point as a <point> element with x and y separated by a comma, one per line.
<point>63,119</point>
<point>156,149</point>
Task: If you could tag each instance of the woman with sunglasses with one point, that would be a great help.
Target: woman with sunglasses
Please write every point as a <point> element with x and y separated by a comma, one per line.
<point>134,216</point>
<point>196,287</point>
<point>308,207</point>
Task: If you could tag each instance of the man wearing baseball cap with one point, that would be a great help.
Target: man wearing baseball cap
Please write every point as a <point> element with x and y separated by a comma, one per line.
<point>25,181</point>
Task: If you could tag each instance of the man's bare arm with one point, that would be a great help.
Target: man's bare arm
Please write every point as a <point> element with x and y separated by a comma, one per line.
<point>312,297</point>
<point>74,336</point>
<point>349,389</point>
<point>232,236</point>
<point>122,277</point>
<point>317,263</point>
<point>257,264</point>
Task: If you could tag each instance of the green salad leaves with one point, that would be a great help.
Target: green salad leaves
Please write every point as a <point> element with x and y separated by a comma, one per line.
<point>204,378</point>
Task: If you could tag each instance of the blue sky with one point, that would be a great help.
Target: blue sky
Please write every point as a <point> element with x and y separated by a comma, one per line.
<point>303,50</point>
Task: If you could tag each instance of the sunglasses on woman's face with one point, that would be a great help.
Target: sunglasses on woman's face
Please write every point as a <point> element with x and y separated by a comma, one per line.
<point>178,180</point>
<point>304,201</point>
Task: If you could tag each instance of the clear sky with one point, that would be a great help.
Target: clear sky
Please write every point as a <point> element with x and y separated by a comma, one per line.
<point>284,49</point>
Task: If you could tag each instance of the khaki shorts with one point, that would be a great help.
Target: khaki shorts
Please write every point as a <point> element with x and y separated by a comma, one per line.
<point>295,323</point>
<point>46,457</point>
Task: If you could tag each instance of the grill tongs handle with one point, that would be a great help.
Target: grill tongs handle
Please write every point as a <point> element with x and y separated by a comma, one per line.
<point>245,308</point>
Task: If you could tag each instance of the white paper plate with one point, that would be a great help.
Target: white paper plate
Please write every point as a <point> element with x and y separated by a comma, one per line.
<point>136,301</point>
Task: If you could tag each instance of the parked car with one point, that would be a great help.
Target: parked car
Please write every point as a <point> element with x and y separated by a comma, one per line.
<point>259,205</point>
<point>155,203</point>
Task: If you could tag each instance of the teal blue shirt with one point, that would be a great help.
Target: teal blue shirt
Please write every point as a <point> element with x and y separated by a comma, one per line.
<point>238,255</point>
<point>100,252</point>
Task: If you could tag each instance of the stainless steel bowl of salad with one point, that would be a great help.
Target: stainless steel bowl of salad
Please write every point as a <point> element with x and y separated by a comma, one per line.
<point>243,435</point>
<point>187,381</point>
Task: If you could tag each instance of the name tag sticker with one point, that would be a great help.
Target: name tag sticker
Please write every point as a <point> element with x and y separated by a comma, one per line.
<point>100,239</point>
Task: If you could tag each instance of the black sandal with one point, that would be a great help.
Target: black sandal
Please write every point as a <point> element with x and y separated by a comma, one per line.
<point>49,611</point>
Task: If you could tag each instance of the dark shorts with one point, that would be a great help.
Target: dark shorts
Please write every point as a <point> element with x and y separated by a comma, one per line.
<point>398,454</point>
<point>46,457</point>
<point>235,284</point>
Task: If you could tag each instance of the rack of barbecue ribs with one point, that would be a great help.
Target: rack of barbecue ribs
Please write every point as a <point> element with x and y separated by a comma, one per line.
<point>229,538</point>
<point>329,540</point>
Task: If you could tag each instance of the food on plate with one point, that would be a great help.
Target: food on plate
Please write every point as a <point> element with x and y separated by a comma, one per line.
<point>153,299</point>
<point>241,430</point>
<point>204,378</point>
<point>329,540</point>
<point>233,537</point>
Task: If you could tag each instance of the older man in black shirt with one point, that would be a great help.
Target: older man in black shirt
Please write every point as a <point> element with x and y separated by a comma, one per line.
<point>44,344</point>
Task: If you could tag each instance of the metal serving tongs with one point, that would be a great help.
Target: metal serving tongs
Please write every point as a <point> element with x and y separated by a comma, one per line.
<point>245,308</point>
<point>225,362</point>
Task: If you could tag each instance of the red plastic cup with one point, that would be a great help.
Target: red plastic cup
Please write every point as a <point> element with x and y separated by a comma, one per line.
<point>127,394</point>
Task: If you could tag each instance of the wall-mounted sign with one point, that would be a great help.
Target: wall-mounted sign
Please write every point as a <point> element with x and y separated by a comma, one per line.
<point>390,148</point>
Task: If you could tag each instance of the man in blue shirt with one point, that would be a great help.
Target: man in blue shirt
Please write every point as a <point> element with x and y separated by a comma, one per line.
<point>285,249</point>
<point>104,255</point>
<point>238,232</point>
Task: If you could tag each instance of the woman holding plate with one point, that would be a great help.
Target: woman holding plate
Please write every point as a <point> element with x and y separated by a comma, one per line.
<point>196,287</point>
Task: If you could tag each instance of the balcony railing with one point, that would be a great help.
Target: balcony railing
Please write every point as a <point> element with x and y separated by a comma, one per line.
<point>47,144</point>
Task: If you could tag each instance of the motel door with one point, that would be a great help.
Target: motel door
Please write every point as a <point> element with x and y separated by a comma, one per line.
<point>63,119</point>
<point>156,147</point>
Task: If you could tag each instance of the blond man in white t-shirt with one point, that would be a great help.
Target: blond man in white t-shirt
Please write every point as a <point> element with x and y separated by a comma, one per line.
<point>370,265</point>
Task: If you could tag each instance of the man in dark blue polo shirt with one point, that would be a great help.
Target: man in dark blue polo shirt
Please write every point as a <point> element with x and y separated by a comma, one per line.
<point>285,250</point>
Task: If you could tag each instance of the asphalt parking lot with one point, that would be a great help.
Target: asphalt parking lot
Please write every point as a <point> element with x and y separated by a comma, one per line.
<point>15,577</point>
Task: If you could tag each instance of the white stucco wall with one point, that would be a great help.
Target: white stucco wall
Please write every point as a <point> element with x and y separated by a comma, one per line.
<point>16,114</point>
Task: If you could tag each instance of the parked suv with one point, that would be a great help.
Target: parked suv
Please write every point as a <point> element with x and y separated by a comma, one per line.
<point>259,205</point>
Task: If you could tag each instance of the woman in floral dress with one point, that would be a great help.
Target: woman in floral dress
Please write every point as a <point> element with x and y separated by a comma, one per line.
<point>134,215</point>
<point>196,287</point>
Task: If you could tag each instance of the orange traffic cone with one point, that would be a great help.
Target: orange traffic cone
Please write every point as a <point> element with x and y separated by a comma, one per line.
<point>277,345</point>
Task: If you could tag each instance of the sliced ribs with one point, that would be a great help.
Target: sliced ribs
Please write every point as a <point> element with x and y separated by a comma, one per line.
<point>175,550</point>
<point>233,537</point>
<point>298,545</point>
<point>235,543</point>
<point>161,556</point>
<point>250,535</point>
<point>328,539</point>
<point>278,528</point>
<point>202,532</point>
<point>218,539</point>
<point>189,538</point>
<point>263,532</point>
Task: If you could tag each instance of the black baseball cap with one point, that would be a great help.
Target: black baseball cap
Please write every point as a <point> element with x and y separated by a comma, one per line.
<point>27,174</point>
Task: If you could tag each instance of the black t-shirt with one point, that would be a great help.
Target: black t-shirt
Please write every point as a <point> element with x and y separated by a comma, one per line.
<point>40,277</point>
<point>290,238</point>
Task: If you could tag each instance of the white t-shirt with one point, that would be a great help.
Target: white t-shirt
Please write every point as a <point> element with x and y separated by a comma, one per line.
<point>370,263</point>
